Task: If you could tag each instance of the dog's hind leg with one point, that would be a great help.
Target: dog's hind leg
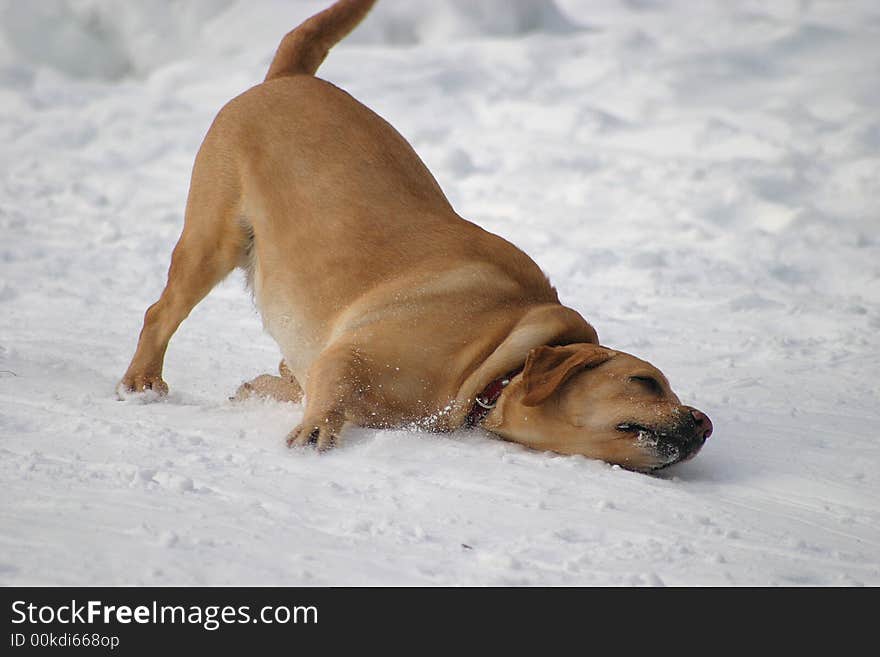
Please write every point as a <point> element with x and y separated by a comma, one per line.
<point>213,242</point>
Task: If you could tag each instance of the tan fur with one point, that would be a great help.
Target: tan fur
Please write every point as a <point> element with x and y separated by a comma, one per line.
<point>573,402</point>
<point>281,388</point>
<point>387,306</point>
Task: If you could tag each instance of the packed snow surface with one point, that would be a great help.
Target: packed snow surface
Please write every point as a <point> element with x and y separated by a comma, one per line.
<point>700,180</point>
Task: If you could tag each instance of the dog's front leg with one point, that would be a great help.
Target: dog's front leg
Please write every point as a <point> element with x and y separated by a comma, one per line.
<point>334,394</point>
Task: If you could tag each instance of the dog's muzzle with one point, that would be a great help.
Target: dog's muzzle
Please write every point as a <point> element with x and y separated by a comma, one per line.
<point>677,443</point>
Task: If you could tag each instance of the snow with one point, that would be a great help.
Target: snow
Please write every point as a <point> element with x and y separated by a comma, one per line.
<point>698,179</point>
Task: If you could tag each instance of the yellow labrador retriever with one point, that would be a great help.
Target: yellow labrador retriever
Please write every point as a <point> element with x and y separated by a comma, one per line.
<point>388,307</point>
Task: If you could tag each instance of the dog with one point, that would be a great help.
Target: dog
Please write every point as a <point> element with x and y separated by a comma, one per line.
<point>388,307</point>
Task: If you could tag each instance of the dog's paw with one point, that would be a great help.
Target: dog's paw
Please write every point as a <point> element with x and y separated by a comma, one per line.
<point>245,391</point>
<point>322,434</point>
<point>267,386</point>
<point>152,385</point>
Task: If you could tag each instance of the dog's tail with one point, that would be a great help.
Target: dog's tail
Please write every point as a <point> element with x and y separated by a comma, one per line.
<point>304,48</point>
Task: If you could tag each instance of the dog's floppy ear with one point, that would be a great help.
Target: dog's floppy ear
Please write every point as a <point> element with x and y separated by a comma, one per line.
<point>547,368</point>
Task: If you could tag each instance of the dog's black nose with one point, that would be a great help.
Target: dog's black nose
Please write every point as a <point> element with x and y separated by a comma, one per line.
<point>689,434</point>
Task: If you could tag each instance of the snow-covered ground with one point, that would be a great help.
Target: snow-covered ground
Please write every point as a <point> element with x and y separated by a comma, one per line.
<point>700,180</point>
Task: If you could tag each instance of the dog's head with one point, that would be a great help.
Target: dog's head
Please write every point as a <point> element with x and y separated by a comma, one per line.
<point>604,404</point>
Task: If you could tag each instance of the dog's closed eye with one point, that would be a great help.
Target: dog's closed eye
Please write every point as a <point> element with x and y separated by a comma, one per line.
<point>649,383</point>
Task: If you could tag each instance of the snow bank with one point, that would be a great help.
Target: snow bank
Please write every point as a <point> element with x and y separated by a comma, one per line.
<point>407,23</point>
<point>101,39</point>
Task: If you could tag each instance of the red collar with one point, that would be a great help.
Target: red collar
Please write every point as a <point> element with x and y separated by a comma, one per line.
<point>486,400</point>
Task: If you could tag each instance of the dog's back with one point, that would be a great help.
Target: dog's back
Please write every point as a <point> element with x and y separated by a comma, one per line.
<point>341,210</point>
